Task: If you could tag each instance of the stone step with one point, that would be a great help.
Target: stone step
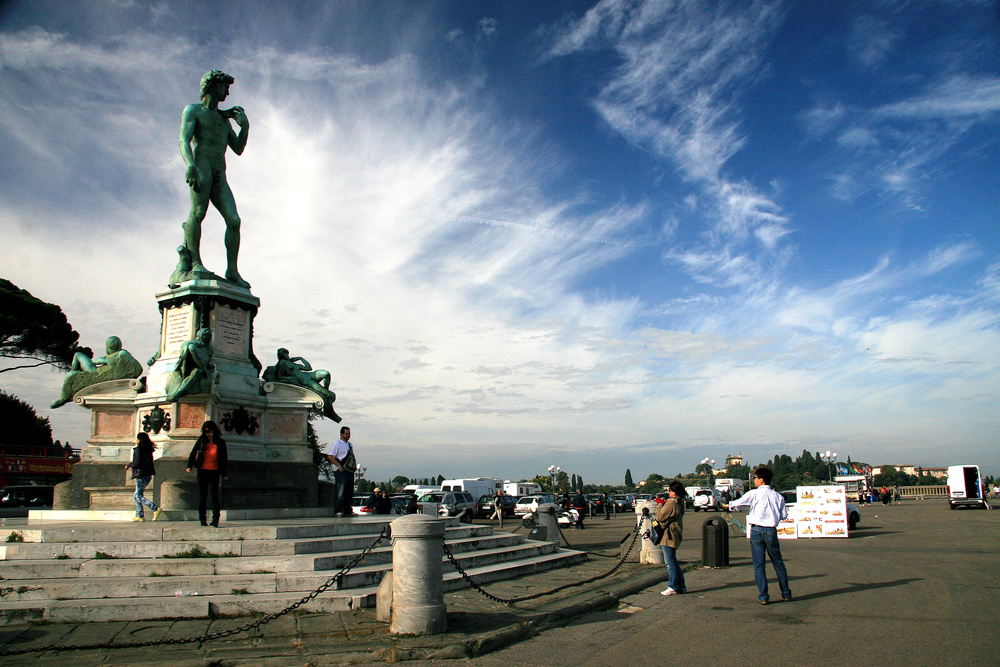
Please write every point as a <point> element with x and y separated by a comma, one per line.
<point>164,531</point>
<point>204,606</point>
<point>171,567</point>
<point>116,584</point>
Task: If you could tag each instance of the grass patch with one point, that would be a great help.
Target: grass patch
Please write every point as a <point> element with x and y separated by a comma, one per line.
<point>197,552</point>
<point>101,555</point>
<point>62,557</point>
<point>15,536</point>
<point>239,591</point>
<point>262,572</point>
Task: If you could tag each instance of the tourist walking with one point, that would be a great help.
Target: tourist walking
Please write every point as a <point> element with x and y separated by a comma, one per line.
<point>210,457</point>
<point>142,472</point>
<point>767,510</point>
<point>498,507</point>
<point>670,516</point>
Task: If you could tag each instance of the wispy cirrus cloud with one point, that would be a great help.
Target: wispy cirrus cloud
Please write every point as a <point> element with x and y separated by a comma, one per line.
<point>683,66</point>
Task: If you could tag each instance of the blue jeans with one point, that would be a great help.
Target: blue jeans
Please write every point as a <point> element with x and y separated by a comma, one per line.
<point>343,492</point>
<point>140,485</point>
<point>764,540</point>
<point>676,580</point>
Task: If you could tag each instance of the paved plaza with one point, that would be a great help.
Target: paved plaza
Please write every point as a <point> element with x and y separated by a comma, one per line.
<point>914,585</point>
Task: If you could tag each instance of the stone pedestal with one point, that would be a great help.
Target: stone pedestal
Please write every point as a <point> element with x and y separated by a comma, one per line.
<point>546,514</point>
<point>650,554</point>
<point>264,424</point>
<point>418,576</point>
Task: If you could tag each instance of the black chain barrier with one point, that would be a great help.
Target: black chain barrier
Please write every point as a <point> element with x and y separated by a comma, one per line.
<point>534,522</point>
<point>210,636</point>
<point>534,596</point>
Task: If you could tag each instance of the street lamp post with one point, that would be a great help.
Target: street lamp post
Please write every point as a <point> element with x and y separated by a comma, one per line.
<point>830,458</point>
<point>554,473</point>
<point>711,469</point>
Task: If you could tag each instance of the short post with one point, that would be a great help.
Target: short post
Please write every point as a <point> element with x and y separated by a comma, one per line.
<point>650,554</point>
<point>418,576</point>
<point>545,515</point>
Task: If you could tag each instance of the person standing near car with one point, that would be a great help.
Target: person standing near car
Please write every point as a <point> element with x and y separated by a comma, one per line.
<point>767,510</point>
<point>579,503</point>
<point>498,507</point>
<point>670,515</point>
<point>341,455</point>
<point>607,507</point>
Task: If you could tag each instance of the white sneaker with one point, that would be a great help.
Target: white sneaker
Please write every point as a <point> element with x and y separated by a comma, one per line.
<point>669,591</point>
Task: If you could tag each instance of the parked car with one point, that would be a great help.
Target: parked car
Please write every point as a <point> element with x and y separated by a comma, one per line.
<point>26,496</point>
<point>853,513</point>
<point>623,502</point>
<point>398,505</point>
<point>596,502</point>
<point>484,508</point>
<point>707,499</point>
<point>451,503</point>
<point>525,505</point>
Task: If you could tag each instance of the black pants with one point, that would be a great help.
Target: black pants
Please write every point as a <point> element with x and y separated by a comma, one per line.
<point>208,481</point>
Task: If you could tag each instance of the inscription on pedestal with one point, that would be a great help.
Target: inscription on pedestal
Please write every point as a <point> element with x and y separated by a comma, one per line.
<point>112,423</point>
<point>287,426</point>
<point>190,415</point>
<point>230,328</point>
<point>178,326</point>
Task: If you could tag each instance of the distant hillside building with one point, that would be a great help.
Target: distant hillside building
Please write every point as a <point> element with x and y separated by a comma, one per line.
<point>735,460</point>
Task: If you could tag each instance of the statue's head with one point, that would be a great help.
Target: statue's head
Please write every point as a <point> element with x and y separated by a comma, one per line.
<point>204,335</point>
<point>282,353</point>
<point>212,77</point>
<point>113,344</point>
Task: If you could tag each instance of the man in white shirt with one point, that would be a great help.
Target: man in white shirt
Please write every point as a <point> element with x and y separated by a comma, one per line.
<point>341,455</point>
<point>767,509</point>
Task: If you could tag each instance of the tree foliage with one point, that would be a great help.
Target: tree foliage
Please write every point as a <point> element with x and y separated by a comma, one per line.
<point>33,329</point>
<point>629,484</point>
<point>21,425</point>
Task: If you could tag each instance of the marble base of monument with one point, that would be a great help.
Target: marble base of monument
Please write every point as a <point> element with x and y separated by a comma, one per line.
<point>264,424</point>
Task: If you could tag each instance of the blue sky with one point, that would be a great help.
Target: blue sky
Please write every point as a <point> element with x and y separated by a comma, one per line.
<point>602,235</point>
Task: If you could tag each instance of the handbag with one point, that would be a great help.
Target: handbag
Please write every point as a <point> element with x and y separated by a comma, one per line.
<point>656,532</point>
<point>350,463</point>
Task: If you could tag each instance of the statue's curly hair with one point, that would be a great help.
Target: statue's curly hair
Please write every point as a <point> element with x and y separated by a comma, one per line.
<point>213,76</point>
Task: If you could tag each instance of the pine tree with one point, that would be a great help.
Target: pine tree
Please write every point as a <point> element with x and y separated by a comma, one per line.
<point>629,484</point>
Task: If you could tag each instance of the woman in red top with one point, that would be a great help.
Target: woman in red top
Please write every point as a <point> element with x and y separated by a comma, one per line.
<point>209,456</point>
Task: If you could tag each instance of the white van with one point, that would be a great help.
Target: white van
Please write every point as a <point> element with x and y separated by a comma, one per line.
<point>477,486</point>
<point>965,487</point>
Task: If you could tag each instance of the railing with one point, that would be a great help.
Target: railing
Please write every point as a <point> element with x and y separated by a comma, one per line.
<point>922,492</point>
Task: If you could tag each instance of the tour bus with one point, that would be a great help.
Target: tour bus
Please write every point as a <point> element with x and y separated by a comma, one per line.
<point>965,487</point>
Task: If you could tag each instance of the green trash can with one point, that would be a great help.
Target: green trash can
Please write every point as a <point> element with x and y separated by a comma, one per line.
<point>715,543</point>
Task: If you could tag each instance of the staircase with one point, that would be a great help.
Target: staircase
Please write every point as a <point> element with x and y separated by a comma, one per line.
<point>93,571</point>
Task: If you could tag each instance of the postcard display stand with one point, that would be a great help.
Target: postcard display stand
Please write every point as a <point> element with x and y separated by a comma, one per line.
<point>821,511</point>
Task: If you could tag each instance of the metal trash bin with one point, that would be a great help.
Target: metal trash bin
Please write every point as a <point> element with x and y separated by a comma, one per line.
<point>715,543</point>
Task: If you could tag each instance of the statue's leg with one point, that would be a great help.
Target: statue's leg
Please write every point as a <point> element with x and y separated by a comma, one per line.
<point>82,362</point>
<point>226,204</point>
<point>192,227</point>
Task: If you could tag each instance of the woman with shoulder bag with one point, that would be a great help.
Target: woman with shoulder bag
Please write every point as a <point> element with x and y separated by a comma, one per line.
<point>670,515</point>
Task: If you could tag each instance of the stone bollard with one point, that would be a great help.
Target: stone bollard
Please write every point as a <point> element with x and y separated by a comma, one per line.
<point>650,553</point>
<point>546,516</point>
<point>418,576</point>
